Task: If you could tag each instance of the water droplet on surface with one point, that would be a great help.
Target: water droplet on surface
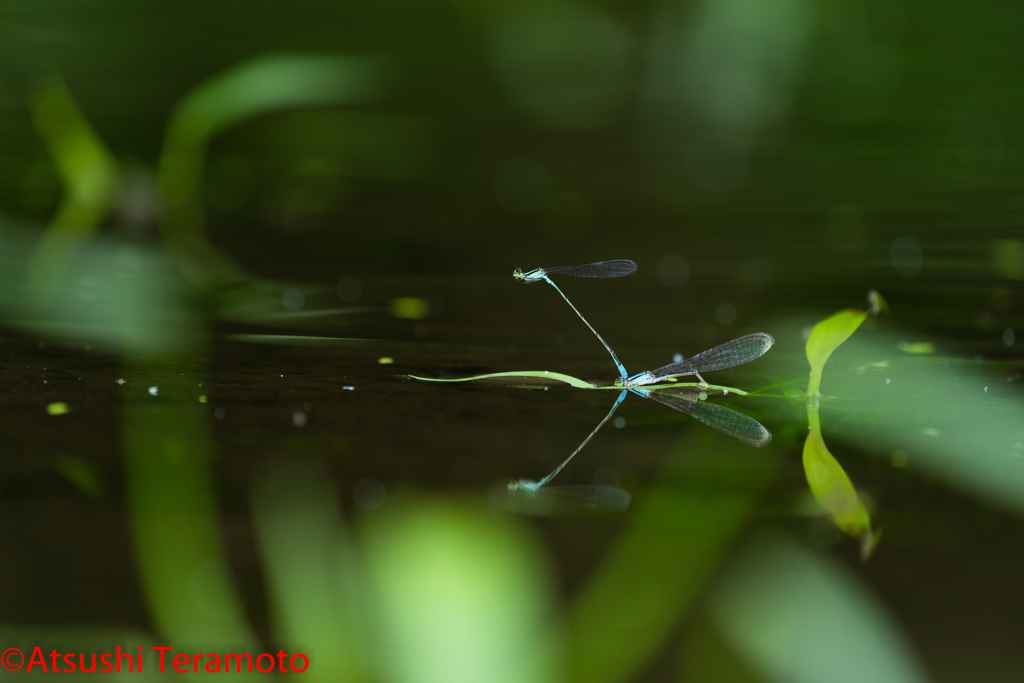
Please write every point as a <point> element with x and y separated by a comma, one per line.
<point>619,422</point>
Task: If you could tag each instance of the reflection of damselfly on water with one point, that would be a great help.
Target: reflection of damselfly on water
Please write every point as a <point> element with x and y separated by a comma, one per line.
<point>649,384</point>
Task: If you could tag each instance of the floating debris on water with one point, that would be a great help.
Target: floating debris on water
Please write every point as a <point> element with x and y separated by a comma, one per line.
<point>916,347</point>
<point>349,387</point>
<point>153,391</point>
<point>57,409</point>
<point>410,308</point>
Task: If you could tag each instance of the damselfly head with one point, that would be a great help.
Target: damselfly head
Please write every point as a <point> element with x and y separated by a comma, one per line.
<point>518,273</point>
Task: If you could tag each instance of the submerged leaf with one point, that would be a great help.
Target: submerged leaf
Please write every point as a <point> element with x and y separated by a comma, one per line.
<point>832,487</point>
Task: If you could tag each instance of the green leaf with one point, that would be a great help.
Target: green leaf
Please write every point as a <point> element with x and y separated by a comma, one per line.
<point>828,481</point>
<point>827,336</point>
<point>540,374</point>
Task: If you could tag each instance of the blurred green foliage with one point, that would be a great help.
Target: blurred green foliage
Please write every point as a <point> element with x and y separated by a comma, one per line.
<point>655,571</point>
<point>795,616</point>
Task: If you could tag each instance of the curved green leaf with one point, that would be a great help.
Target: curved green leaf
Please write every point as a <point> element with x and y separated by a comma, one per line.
<point>260,86</point>
<point>826,337</point>
<point>828,480</point>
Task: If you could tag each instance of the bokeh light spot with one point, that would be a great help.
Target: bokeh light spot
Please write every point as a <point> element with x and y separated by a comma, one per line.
<point>725,314</point>
<point>673,271</point>
<point>1008,259</point>
<point>410,308</point>
<point>293,299</point>
<point>906,256</point>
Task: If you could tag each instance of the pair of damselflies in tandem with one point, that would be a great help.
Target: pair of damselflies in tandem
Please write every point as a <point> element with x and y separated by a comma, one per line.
<point>648,384</point>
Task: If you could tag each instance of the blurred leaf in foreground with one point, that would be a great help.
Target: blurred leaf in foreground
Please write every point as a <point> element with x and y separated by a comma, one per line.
<point>314,577</point>
<point>656,570</point>
<point>796,617</point>
<point>108,293</point>
<point>260,86</point>
<point>462,596</point>
<point>87,170</point>
<point>182,562</point>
